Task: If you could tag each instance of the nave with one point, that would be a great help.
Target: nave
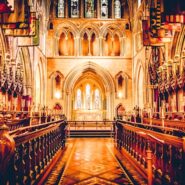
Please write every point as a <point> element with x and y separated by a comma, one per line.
<point>91,161</point>
<point>102,80</point>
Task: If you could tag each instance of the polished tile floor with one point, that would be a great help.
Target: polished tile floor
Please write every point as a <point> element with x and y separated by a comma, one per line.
<point>92,162</point>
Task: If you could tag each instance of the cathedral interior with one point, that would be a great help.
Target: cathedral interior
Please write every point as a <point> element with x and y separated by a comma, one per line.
<point>92,92</point>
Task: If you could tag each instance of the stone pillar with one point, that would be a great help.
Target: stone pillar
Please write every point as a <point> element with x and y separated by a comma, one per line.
<point>89,46</point>
<point>122,46</point>
<point>101,46</point>
<point>112,42</point>
<point>75,46</point>
<point>56,46</point>
<point>68,105</point>
<point>80,46</point>
<point>66,40</point>
<point>29,98</point>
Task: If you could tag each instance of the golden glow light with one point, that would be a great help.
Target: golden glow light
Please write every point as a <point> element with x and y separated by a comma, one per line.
<point>57,95</point>
<point>120,95</point>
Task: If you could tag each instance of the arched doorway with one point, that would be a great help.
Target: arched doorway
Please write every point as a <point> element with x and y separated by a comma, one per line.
<point>120,109</point>
<point>89,93</point>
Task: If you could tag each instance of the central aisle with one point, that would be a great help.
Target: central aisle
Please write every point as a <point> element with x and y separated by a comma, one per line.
<point>92,161</point>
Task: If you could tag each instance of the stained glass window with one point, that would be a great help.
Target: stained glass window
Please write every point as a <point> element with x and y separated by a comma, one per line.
<point>88,96</point>
<point>97,99</point>
<point>74,8</point>
<point>89,8</point>
<point>117,9</point>
<point>79,99</point>
<point>60,12</point>
<point>104,8</point>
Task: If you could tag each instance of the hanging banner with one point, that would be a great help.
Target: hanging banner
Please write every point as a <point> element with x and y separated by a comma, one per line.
<point>6,6</point>
<point>19,19</point>
<point>30,31</point>
<point>30,41</point>
<point>145,26</point>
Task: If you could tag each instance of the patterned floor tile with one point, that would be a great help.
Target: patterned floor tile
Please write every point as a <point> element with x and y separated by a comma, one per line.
<point>92,163</point>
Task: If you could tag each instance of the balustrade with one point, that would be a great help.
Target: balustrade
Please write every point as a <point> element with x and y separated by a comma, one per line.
<point>159,155</point>
<point>35,147</point>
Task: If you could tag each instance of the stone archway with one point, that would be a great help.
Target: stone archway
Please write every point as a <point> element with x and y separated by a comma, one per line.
<point>99,74</point>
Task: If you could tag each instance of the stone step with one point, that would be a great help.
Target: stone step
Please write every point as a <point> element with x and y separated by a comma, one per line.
<point>90,133</point>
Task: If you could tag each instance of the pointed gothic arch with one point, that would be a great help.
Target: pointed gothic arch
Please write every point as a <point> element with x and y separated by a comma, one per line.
<point>73,77</point>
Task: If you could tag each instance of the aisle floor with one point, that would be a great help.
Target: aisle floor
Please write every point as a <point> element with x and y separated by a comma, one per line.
<point>92,161</point>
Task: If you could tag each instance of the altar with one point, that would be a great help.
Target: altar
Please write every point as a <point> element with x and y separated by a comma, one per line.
<point>88,115</point>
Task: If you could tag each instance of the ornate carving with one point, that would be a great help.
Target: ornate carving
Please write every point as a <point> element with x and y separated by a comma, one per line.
<point>7,146</point>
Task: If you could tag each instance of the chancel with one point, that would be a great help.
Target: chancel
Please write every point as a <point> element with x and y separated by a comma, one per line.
<point>92,92</point>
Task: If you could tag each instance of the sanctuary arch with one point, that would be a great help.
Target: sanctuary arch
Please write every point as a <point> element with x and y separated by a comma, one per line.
<point>89,93</point>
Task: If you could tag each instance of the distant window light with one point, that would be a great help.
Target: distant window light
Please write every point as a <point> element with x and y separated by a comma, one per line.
<point>97,99</point>
<point>88,96</point>
<point>117,11</point>
<point>60,12</point>
<point>79,99</point>
<point>104,9</point>
<point>89,8</point>
<point>74,8</point>
<point>139,3</point>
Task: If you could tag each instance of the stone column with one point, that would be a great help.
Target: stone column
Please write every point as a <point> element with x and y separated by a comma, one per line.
<point>56,46</point>
<point>66,40</point>
<point>121,46</point>
<point>112,42</point>
<point>101,46</point>
<point>89,46</point>
<point>80,46</point>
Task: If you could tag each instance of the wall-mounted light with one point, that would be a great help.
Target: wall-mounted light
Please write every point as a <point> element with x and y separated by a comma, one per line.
<point>57,95</point>
<point>120,95</point>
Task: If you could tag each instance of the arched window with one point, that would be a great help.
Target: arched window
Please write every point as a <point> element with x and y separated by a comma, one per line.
<point>139,2</point>
<point>60,9</point>
<point>74,8</point>
<point>93,45</point>
<point>56,85</point>
<point>107,45</point>
<point>78,99</point>
<point>117,9</point>
<point>104,9</point>
<point>89,8</point>
<point>85,45</point>
<point>66,44</point>
<point>121,85</point>
<point>116,45</point>
<point>88,96</point>
<point>97,99</point>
